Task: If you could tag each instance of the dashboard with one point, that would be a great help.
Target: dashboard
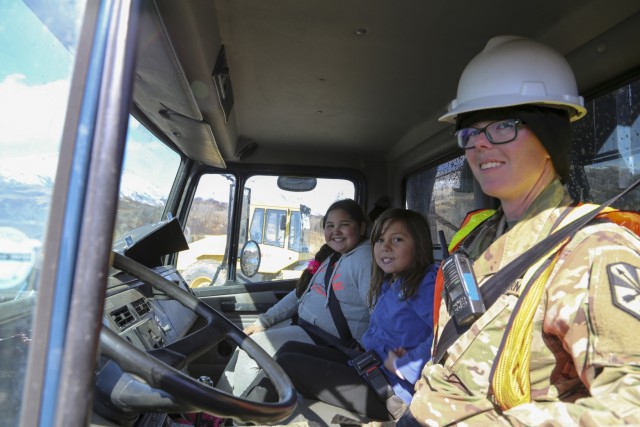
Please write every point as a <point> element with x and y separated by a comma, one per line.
<point>147,319</point>
<point>142,308</point>
<point>150,321</point>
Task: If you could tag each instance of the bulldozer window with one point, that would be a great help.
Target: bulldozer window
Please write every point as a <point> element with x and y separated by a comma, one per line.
<point>257,224</point>
<point>274,230</point>
<point>295,232</point>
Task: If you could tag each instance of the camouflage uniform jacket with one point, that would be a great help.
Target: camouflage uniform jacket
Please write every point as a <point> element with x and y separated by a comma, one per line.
<point>585,350</point>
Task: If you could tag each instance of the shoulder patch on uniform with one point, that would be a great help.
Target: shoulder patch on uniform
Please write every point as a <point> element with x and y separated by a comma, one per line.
<point>624,280</point>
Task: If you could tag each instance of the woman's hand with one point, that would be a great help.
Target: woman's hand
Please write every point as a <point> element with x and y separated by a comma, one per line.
<point>253,328</point>
<point>390,361</point>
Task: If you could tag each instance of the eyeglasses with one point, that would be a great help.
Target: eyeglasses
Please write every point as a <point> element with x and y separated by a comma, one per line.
<point>499,132</point>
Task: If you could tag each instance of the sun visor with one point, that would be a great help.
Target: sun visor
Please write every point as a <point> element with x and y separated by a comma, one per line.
<point>163,93</point>
<point>185,131</point>
<point>158,67</point>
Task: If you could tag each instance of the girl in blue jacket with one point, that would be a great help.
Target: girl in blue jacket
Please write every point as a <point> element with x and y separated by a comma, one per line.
<point>402,284</point>
<point>400,331</point>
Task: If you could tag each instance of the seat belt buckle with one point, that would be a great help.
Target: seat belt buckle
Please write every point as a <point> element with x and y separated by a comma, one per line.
<point>365,362</point>
<point>368,367</point>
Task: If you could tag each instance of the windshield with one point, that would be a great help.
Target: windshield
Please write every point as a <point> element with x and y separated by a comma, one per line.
<point>35,69</point>
<point>37,50</point>
<point>149,170</point>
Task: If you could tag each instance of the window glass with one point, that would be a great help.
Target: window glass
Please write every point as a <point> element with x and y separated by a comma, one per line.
<point>280,262</point>
<point>606,154</point>
<point>444,194</point>
<point>37,52</point>
<point>207,230</point>
<point>271,215</point>
<point>293,217</point>
<point>149,169</point>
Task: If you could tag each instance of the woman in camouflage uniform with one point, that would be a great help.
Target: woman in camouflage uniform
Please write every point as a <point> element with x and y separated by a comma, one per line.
<point>574,357</point>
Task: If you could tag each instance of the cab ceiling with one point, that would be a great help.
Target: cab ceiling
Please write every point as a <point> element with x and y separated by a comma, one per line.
<point>368,77</point>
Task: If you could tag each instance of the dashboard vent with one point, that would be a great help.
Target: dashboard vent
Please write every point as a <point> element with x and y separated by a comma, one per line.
<point>122,317</point>
<point>141,307</point>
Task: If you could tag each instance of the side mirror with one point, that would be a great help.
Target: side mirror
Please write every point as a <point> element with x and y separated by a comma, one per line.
<point>250,258</point>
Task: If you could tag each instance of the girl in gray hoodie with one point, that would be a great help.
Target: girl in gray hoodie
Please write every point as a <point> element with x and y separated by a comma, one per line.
<point>346,258</point>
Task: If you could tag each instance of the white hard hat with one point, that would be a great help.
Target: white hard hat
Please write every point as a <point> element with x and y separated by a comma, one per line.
<point>513,71</point>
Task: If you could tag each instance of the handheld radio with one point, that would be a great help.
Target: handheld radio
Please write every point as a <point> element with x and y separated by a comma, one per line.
<point>462,294</point>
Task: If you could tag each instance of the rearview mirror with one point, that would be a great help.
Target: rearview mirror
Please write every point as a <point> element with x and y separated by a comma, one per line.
<point>296,183</point>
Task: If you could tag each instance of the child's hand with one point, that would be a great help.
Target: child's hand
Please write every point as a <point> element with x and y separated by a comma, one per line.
<point>390,361</point>
<point>253,328</point>
<point>400,351</point>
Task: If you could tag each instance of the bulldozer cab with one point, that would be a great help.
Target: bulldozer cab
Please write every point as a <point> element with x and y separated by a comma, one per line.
<point>283,237</point>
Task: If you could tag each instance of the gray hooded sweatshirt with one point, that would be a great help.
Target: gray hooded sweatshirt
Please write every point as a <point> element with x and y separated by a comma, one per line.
<point>350,279</point>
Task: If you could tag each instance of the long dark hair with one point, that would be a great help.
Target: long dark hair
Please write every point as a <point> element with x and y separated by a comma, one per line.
<point>356,213</point>
<point>418,228</point>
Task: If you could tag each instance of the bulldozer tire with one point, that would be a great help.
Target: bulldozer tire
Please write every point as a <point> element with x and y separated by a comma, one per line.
<point>200,273</point>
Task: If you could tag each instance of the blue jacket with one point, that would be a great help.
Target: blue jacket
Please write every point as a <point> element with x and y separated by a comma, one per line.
<point>403,323</point>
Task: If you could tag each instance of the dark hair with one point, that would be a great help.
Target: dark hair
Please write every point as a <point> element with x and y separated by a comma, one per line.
<point>418,228</point>
<point>356,213</point>
<point>349,206</point>
<point>323,253</point>
<point>380,206</point>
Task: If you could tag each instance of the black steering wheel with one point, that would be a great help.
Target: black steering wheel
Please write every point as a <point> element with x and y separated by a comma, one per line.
<point>168,389</point>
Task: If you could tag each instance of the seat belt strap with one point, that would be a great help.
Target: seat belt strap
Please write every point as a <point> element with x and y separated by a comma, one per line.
<point>324,338</point>
<point>334,306</point>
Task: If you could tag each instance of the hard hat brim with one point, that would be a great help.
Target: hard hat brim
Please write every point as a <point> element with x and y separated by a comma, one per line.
<point>573,105</point>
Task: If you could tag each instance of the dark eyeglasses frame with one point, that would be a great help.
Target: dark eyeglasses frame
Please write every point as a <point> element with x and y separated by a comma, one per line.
<point>516,122</point>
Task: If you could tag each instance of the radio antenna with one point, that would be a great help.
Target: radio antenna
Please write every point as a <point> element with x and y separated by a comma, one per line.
<point>443,244</point>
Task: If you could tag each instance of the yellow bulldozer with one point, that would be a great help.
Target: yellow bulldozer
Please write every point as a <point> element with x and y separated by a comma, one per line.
<point>282,234</point>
